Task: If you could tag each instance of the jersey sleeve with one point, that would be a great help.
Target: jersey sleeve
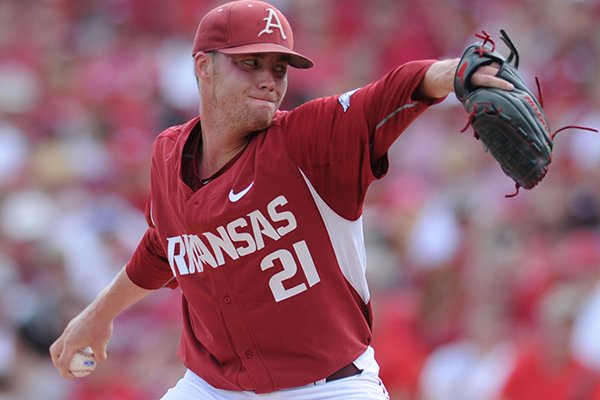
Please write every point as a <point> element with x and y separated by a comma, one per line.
<point>341,142</point>
<point>148,267</point>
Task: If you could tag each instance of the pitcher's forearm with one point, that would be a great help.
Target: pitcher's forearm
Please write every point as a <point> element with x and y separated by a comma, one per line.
<point>117,297</point>
<point>438,80</point>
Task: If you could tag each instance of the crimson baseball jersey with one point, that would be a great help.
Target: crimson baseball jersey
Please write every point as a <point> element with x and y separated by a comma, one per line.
<point>269,254</point>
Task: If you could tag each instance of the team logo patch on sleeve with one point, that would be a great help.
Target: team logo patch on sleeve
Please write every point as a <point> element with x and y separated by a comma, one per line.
<point>344,99</point>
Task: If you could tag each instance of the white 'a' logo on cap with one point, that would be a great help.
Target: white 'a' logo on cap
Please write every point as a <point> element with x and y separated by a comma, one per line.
<point>270,24</point>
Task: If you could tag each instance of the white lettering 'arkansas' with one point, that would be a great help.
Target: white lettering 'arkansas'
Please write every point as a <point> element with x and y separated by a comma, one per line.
<point>190,253</point>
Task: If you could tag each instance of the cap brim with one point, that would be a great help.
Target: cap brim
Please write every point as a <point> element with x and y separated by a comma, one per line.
<point>296,60</point>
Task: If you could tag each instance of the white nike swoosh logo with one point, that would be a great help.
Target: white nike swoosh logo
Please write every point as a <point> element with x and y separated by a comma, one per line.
<point>233,197</point>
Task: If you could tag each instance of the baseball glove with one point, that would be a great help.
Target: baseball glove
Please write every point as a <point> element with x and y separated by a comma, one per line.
<point>511,124</point>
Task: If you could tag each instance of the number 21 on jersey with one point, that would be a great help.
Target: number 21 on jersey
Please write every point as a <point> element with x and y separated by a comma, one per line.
<point>289,260</point>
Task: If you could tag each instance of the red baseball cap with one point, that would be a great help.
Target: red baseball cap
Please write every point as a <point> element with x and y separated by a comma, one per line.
<point>245,27</point>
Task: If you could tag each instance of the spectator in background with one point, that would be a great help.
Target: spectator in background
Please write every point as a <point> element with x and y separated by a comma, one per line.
<point>476,365</point>
<point>580,256</point>
<point>545,367</point>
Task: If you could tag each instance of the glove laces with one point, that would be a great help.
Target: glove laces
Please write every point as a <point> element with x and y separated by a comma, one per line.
<point>585,128</point>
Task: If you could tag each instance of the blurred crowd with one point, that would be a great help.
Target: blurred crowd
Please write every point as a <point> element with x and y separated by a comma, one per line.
<point>476,296</point>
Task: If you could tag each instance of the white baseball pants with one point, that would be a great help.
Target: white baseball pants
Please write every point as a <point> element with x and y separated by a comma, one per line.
<point>364,386</point>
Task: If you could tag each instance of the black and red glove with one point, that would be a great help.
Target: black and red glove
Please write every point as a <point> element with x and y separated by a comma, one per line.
<point>510,123</point>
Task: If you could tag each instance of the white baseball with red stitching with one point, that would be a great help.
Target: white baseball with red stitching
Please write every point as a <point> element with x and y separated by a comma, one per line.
<point>82,363</point>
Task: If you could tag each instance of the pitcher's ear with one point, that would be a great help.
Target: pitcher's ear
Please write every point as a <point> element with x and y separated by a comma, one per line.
<point>202,64</point>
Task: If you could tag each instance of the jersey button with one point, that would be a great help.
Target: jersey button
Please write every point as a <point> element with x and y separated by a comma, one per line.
<point>249,354</point>
<point>226,299</point>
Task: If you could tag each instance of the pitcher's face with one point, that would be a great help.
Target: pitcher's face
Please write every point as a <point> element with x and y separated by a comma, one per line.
<point>248,88</point>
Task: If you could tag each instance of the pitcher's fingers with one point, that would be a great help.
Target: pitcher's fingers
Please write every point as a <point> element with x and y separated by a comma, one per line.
<point>64,361</point>
<point>54,350</point>
<point>99,351</point>
<point>485,77</point>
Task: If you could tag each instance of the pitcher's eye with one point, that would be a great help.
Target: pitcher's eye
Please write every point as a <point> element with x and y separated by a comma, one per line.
<point>250,62</point>
<point>281,69</point>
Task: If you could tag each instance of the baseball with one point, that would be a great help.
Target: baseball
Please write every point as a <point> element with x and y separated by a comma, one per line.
<point>82,363</point>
